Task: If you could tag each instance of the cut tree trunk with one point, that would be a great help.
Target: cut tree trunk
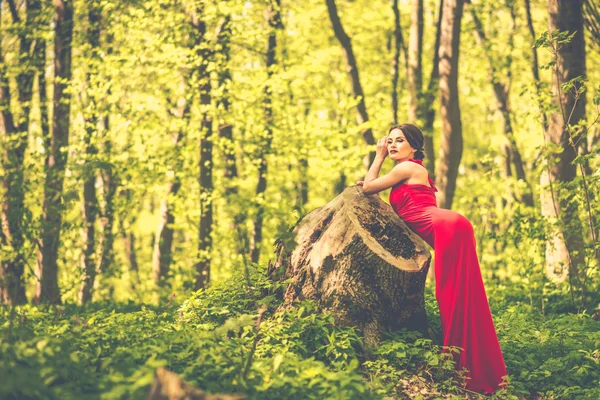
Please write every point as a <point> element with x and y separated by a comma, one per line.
<point>169,386</point>
<point>358,260</point>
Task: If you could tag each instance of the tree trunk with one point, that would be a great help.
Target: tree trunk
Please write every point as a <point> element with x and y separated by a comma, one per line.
<point>501,91</point>
<point>429,97</point>
<point>109,187</point>
<point>591,19</point>
<point>357,259</point>
<point>535,64</point>
<point>361,117</point>
<point>398,45</point>
<point>107,222</point>
<point>274,19</point>
<point>202,266</point>
<point>415,52</point>
<point>226,140</point>
<point>163,244</point>
<point>571,63</point>
<point>47,268</point>
<point>14,135</point>
<point>130,252</point>
<point>12,290</point>
<point>90,200</point>
<point>557,255</point>
<point>452,141</point>
<point>169,386</point>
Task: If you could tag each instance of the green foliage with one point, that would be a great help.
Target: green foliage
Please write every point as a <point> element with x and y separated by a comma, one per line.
<point>70,352</point>
<point>556,356</point>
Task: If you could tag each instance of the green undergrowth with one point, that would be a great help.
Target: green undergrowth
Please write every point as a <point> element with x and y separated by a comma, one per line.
<point>110,351</point>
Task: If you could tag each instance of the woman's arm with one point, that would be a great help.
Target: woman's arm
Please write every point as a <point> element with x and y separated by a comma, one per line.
<point>372,184</point>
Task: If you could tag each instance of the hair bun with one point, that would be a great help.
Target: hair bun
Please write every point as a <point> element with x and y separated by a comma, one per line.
<point>419,155</point>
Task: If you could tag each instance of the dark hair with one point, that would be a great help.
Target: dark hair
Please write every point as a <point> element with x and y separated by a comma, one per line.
<point>414,136</point>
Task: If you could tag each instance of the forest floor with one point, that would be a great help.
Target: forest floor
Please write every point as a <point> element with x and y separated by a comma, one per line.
<point>109,350</point>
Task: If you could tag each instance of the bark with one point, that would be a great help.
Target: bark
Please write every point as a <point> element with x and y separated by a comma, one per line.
<point>169,386</point>
<point>274,19</point>
<point>429,97</point>
<point>163,244</point>
<point>358,260</point>
<point>415,52</point>
<point>90,199</point>
<point>361,117</point>
<point>398,46</point>
<point>203,264</point>
<point>47,268</point>
<point>501,92</point>
<point>571,63</point>
<point>451,138</point>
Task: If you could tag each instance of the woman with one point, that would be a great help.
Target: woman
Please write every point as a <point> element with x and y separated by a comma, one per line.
<point>464,310</point>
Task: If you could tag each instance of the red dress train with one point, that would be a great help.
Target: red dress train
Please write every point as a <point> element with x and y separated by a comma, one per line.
<point>464,309</point>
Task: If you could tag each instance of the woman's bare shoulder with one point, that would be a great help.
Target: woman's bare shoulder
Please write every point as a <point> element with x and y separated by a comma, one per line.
<point>418,173</point>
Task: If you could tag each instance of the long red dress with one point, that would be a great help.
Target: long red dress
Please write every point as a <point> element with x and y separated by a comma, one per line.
<point>464,309</point>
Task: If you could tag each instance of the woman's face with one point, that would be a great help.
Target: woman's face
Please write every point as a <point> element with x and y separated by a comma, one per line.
<point>398,147</point>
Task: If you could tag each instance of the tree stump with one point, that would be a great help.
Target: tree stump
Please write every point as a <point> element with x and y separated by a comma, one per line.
<point>358,260</point>
<point>169,386</point>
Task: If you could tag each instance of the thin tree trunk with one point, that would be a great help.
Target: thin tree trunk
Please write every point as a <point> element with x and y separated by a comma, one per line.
<point>47,269</point>
<point>415,52</point>
<point>12,290</point>
<point>109,187</point>
<point>361,117</point>
<point>226,140</point>
<point>26,74</point>
<point>302,184</point>
<point>107,222</point>
<point>535,64</point>
<point>398,46</point>
<point>274,19</point>
<point>206,157</point>
<point>130,250</point>
<point>429,97</point>
<point>451,138</point>
<point>90,200</point>
<point>501,91</point>
<point>571,63</point>
<point>15,132</point>
<point>223,103</point>
<point>163,244</point>
<point>126,223</point>
<point>591,19</point>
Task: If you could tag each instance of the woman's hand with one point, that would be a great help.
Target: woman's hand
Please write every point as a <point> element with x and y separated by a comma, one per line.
<point>360,183</point>
<point>382,150</point>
